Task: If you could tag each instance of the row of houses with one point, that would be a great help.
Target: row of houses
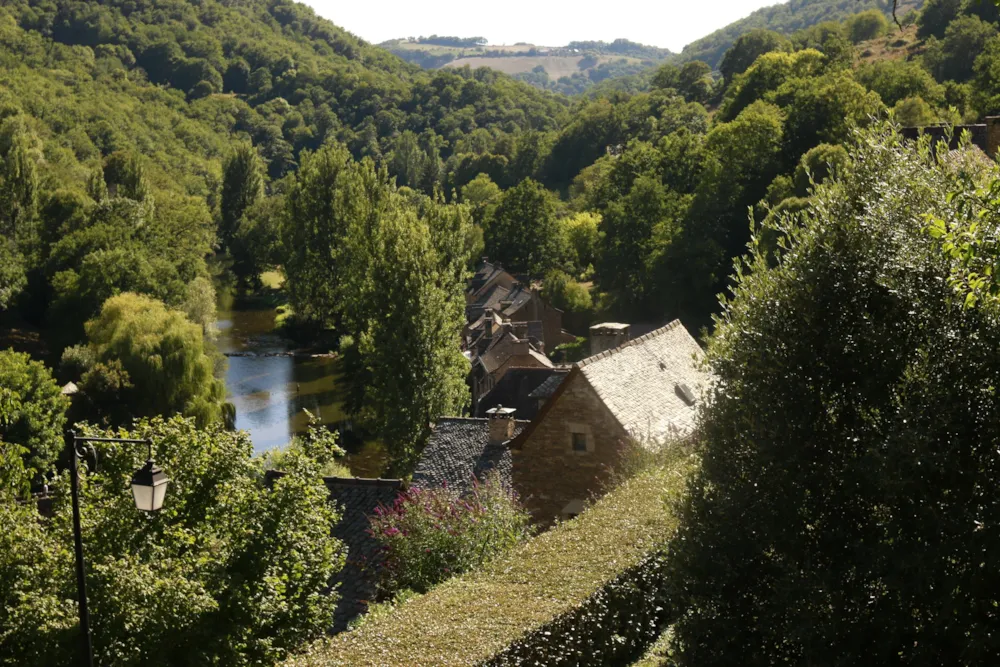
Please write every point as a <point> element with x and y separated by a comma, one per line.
<point>551,432</point>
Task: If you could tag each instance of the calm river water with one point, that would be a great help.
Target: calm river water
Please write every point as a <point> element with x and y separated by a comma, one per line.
<point>271,392</point>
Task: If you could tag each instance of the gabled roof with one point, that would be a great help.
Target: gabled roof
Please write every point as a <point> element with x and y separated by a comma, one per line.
<point>647,384</point>
<point>507,345</point>
<point>482,279</point>
<point>643,381</point>
<point>458,451</point>
<point>516,390</point>
<point>518,296</point>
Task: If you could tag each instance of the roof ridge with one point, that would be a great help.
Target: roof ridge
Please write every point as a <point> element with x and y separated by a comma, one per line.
<point>459,418</point>
<point>629,343</point>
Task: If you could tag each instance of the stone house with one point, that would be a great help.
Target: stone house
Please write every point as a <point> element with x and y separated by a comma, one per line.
<point>646,389</point>
<point>523,389</point>
<point>493,291</point>
<point>507,350</point>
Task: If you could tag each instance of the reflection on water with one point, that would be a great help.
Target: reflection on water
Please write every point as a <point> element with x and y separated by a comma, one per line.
<point>271,392</point>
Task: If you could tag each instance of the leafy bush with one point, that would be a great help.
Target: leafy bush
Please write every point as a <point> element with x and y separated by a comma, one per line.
<point>318,443</point>
<point>844,502</point>
<point>32,410</point>
<point>231,571</point>
<point>430,535</point>
<point>561,291</point>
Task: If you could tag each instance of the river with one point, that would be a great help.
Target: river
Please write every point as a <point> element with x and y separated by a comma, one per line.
<point>271,393</point>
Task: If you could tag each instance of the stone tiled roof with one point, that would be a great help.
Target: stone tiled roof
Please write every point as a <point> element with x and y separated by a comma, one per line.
<point>547,388</point>
<point>507,345</point>
<point>458,451</point>
<point>516,390</point>
<point>518,296</point>
<point>642,382</point>
<point>356,500</point>
<point>485,272</point>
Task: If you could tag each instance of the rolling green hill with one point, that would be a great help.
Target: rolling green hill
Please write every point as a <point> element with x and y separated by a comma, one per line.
<point>177,79</point>
<point>785,18</point>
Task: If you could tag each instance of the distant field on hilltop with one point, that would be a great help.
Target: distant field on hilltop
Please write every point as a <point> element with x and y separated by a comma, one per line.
<point>569,69</point>
<point>555,66</point>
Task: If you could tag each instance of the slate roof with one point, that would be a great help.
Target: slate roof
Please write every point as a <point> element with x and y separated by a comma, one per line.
<point>356,501</point>
<point>516,390</point>
<point>518,296</point>
<point>507,345</point>
<point>458,451</point>
<point>547,388</point>
<point>641,381</point>
<point>485,272</point>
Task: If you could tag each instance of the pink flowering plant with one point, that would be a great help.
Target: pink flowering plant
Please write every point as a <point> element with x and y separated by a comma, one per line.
<point>429,535</point>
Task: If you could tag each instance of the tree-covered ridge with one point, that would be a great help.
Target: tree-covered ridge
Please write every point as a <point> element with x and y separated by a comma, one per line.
<point>271,70</point>
<point>785,19</point>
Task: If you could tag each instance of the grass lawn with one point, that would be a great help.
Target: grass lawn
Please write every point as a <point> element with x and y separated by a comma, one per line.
<point>474,616</point>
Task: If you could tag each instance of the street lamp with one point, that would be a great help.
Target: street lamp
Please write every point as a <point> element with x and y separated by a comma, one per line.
<point>149,486</point>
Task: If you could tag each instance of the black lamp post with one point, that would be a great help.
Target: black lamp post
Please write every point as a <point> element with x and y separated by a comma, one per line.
<point>149,486</point>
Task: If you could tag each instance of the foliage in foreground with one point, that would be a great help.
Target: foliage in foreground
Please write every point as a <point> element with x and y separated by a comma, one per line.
<point>473,617</point>
<point>429,535</point>
<point>228,572</point>
<point>844,511</point>
<point>32,409</point>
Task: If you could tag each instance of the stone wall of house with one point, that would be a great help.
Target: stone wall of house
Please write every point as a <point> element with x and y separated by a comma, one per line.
<point>547,473</point>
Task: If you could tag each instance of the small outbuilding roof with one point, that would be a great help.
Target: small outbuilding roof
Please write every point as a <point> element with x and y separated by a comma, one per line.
<point>459,451</point>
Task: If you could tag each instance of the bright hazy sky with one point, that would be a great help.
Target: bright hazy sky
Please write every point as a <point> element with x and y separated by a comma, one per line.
<point>666,23</point>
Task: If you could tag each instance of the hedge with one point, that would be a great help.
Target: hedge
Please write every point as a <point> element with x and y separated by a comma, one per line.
<point>576,590</point>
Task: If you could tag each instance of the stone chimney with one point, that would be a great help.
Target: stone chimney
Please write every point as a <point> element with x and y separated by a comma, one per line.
<point>607,336</point>
<point>489,323</point>
<point>501,422</point>
<point>992,136</point>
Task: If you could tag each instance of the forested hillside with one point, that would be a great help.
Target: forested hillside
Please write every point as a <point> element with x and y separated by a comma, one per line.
<point>786,18</point>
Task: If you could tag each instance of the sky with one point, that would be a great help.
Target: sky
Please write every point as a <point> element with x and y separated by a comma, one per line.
<point>665,23</point>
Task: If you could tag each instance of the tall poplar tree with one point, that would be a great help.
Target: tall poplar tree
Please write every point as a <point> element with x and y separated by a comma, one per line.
<point>242,187</point>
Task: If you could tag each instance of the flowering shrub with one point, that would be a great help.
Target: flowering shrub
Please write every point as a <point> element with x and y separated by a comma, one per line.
<point>428,535</point>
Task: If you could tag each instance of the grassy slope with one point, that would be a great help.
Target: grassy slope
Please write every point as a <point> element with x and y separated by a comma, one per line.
<point>472,617</point>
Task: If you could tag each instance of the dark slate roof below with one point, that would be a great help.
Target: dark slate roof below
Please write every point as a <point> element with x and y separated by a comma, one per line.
<point>458,451</point>
<point>547,388</point>
<point>356,500</point>
<point>516,390</point>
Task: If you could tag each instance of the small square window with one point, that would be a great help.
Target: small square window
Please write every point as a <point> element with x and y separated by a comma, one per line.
<point>579,442</point>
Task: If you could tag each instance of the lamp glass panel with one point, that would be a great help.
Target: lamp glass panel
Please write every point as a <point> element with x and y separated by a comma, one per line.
<point>143,497</point>
<point>159,493</point>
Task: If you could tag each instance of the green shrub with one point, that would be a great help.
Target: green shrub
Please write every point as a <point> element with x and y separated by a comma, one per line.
<point>430,535</point>
<point>319,444</point>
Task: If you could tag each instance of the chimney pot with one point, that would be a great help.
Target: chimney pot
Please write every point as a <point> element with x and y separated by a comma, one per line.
<point>501,421</point>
